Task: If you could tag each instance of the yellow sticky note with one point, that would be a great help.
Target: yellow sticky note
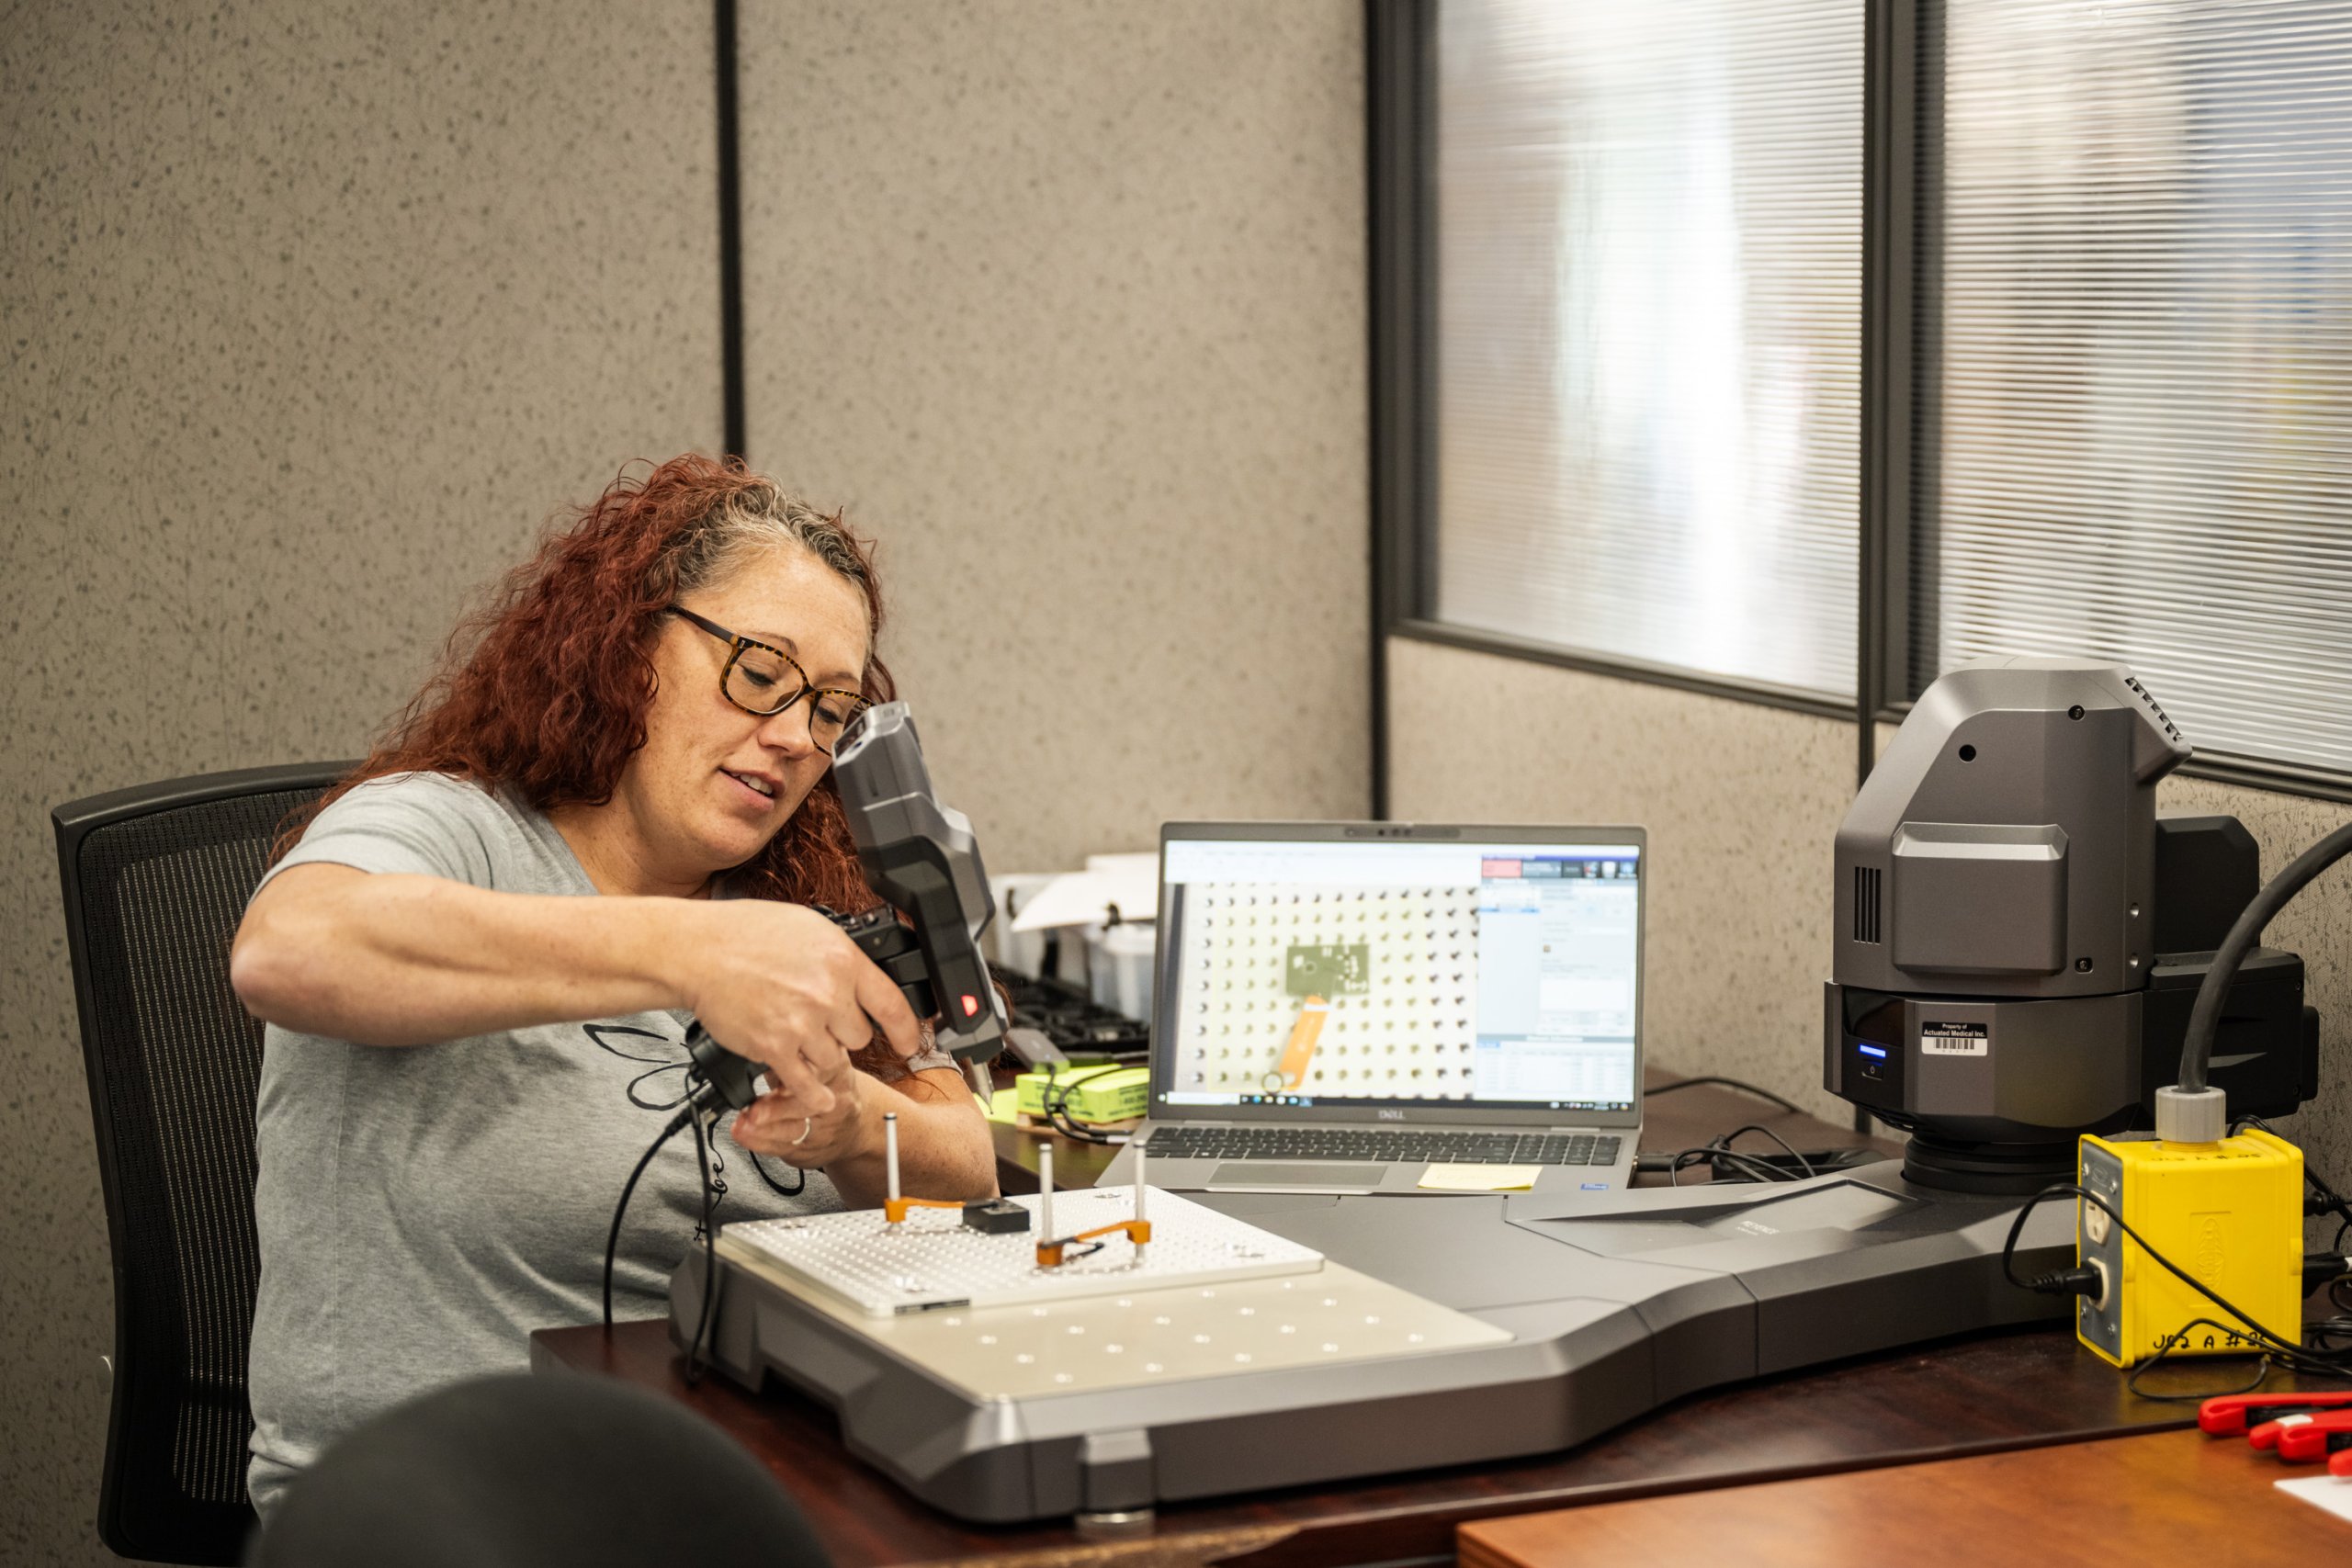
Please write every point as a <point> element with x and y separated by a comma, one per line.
<point>1004,1107</point>
<point>1479,1177</point>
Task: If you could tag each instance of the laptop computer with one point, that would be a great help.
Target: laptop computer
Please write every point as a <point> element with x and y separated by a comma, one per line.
<point>1342,1007</point>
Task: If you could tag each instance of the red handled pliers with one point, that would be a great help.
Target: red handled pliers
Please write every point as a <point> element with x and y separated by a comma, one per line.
<point>2235,1413</point>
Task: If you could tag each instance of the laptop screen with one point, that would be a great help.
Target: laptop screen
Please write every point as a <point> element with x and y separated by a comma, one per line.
<point>1467,972</point>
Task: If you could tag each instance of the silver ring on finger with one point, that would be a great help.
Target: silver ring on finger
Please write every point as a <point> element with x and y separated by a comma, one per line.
<point>806,1123</point>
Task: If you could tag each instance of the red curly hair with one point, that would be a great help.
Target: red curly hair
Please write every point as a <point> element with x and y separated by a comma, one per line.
<point>543,691</point>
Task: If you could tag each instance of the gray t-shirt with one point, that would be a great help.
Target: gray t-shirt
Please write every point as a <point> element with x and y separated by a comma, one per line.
<point>423,1209</point>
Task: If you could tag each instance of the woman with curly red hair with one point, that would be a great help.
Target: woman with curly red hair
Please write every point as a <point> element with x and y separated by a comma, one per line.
<point>609,812</point>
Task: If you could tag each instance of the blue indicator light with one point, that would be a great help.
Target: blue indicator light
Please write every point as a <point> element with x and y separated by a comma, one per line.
<point>1878,1051</point>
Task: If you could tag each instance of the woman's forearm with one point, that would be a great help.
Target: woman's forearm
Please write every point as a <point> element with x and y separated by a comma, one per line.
<point>382,959</point>
<point>945,1150</point>
<point>398,960</point>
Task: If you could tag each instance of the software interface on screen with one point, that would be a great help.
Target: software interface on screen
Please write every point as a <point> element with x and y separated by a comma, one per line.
<point>1307,973</point>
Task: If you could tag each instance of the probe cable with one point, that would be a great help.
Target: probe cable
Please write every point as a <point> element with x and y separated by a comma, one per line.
<point>778,1188</point>
<point>613,1239</point>
<point>702,1098</point>
<point>690,1116</point>
<point>709,1260</point>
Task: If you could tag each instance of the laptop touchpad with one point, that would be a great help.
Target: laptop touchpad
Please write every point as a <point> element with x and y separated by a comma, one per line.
<point>1288,1173</point>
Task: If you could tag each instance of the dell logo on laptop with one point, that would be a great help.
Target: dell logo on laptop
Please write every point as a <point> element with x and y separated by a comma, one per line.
<point>1391,1115</point>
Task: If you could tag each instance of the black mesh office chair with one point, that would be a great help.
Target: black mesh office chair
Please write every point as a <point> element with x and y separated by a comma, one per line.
<point>156,880</point>
<point>523,1471</point>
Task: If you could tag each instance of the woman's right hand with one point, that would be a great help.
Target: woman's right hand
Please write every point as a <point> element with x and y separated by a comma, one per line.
<point>782,985</point>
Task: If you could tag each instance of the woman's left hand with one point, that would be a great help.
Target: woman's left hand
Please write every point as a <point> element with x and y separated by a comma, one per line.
<point>780,1125</point>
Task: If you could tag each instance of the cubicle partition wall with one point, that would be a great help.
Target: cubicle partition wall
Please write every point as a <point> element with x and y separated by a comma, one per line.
<point>317,310</point>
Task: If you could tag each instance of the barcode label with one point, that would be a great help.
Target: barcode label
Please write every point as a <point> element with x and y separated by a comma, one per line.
<point>1954,1039</point>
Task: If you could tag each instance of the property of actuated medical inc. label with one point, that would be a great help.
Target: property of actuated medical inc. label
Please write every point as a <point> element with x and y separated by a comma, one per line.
<point>1954,1039</point>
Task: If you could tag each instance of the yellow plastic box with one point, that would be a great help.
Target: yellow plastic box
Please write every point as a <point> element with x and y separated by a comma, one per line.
<point>2229,1213</point>
<point>1088,1093</point>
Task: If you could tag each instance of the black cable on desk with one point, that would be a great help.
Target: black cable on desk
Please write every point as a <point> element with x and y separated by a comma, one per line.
<point>1803,1163</point>
<point>1750,1166</point>
<point>1753,1168</point>
<point>2324,1199</point>
<point>1056,1101</point>
<point>2322,1360</point>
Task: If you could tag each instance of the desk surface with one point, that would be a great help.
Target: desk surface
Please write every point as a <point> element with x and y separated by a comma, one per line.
<point>1983,1394</point>
<point>2087,1505</point>
<point>1682,1120</point>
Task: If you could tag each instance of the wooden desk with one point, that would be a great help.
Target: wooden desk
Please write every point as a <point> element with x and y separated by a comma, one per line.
<point>2191,1498</point>
<point>1075,1163</point>
<point>1987,1392</point>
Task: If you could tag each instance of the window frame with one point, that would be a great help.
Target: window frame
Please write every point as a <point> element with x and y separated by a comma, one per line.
<point>1895,547</point>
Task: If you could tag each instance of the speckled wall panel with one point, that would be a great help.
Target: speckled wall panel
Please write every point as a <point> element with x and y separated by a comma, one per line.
<point>1742,802</point>
<point>313,312</point>
<point>1067,302</point>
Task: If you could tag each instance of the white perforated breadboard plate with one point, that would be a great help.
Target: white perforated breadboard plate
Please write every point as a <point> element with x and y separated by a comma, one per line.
<point>934,1262</point>
<point>1334,1316</point>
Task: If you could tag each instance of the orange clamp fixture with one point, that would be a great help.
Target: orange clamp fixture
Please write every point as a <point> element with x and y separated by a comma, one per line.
<point>1049,1253</point>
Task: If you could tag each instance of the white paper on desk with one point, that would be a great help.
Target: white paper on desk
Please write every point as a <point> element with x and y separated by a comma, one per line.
<point>1130,886</point>
<point>2329,1492</point>
<point>1480,1178</point>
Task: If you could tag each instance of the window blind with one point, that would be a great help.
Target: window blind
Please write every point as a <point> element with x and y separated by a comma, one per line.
<point>1647,330</point>
<point>2136,418</point>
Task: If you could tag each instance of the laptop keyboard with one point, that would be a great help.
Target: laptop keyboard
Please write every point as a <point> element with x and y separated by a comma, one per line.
<point>1396,1147</point>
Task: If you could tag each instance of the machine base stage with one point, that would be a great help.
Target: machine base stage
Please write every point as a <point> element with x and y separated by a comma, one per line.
<point>1394,1335</point>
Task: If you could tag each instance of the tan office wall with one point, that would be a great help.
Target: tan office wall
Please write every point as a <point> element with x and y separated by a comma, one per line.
<point>313,312</point>
<point>1741,803</point>
<point>1067,302</point>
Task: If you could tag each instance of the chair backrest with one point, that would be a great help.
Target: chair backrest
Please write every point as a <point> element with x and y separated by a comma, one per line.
<point>156,880</point>
<point>525,1471</point>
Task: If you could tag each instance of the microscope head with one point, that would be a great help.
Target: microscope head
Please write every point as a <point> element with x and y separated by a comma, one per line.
<point>2005,845</point>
